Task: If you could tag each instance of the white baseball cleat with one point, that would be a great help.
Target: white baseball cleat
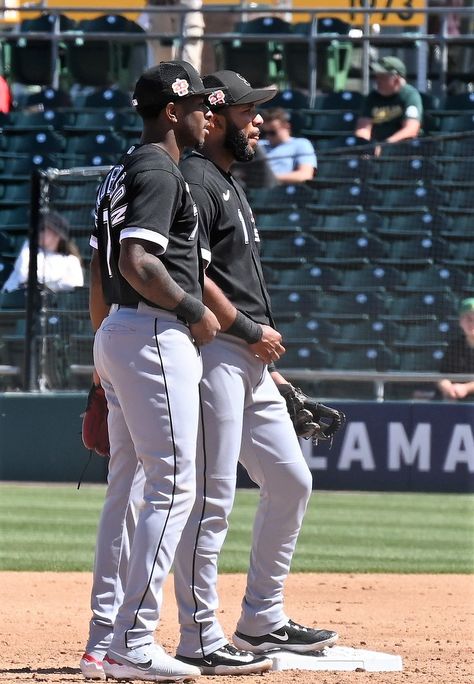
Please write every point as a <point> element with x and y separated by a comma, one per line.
<point>149,663</point>
<point>91,667</point>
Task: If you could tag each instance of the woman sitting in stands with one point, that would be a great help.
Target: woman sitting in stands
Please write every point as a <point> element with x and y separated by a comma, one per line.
<point>59,261</point>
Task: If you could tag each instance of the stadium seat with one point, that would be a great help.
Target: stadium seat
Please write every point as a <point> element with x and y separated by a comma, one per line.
<point>348,197</point>
<point>411,222</point>
<point>426,359</point>
<point>110,143</point>
<point>435,278</point>
<point>74,194</point>
<point>96,121</point>
<point>340,144</point>
<point>358,249</point>
<point>410,251</point>
<point>457,199</point>
<point>460,145</point>
<point>27,120</point>
<point>333,57</point>
<point>48,98</point>
<point>37,142</point>
<point>107,62</point>
<point>51,362</point>
<point>352,304</point>
<point>369,277</point>
<point>16,219</point>
<point>403,199</point>
<point>15,193</point>
<point>343,99</point>
<point>428,333</point>
<point>364,333</point>
<point>457,123</point>
<point>6,267</point>
<point>280,198</point>
<point>456,170</point>
<point>291,220</point>
<point>108,98</point>
<point>344,169</point>
<point>305,328</point>
<point>38,62</point>
<point>300,246</point>
<point>308,355</point>
<point>288,301</point>
<point>461,101</point>
<point>261,62</point>
<point>461,253</point>
<point>290,99</point>
<point>363,358</point>
<point>317,276</point>
<point>326,124</point>
<point>412,168</point>
<point>346,222</point>
<point>417,305</point>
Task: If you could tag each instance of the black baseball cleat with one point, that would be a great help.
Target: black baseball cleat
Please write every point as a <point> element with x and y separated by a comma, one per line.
<point>228,660</point>
<point>290,637</point>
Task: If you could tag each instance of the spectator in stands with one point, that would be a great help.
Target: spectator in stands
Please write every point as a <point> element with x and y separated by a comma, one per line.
<point>292,160</point>
<point>393,111</point>
<point>188,25</point>
<point>459,357</point>
<point>59,261</point>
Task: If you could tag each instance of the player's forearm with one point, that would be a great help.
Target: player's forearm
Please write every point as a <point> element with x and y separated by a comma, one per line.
<point>215,299</point>
<point>149,277</point>
<point>98,309</point>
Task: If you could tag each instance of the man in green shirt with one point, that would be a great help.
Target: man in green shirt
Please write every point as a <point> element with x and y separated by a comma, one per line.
<point>393,111</point>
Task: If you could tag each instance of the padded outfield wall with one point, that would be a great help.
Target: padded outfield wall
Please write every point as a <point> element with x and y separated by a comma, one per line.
<point>389,446</point>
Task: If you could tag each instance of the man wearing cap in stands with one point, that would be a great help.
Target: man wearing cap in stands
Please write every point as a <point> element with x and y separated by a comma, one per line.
<point>393,111</point>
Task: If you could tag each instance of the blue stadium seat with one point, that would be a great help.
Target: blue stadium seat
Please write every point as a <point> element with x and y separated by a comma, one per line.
<point>373,276</point>
<point>300,246</point>
<point>290,220</point>
<point>364,358</point>
<point>304,328</point>
<point>315,277</point>
<point>358,249</point>
<point>308,355</point>
<point>435,278</point>
<point>415,251</point>
<point>417,305</point>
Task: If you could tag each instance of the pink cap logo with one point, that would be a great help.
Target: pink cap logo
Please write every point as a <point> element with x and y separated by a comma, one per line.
<point>217,98</point>
<point>180,87</point>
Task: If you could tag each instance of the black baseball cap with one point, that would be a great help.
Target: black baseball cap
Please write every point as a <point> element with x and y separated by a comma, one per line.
<point>168,82</point>
<point>230,88</point>
<point>389,65</point>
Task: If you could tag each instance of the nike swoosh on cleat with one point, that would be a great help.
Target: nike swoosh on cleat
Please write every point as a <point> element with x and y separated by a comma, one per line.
<point>285,637</point>
<point>141,666</point>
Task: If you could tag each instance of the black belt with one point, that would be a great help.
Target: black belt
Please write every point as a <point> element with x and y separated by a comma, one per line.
<point>127,306</point>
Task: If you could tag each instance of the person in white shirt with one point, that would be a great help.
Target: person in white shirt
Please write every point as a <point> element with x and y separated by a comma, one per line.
<point>59,261</point>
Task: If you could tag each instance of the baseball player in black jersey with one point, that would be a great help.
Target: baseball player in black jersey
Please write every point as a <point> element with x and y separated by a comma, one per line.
<point>244,417</point>
<point>146,304</point>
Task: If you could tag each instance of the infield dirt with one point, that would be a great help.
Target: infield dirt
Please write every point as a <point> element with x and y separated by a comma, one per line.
<point>427,619</point>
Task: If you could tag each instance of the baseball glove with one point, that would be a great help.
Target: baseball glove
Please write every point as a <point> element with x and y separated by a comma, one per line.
<point>95,434</point>
<point>311,419</point>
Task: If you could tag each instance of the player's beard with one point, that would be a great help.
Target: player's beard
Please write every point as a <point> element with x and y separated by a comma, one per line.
<point>237,143</point>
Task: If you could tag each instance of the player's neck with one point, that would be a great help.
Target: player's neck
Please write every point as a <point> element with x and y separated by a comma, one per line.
<point>218,155</point>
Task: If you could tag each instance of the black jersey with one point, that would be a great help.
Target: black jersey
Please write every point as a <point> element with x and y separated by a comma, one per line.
<point>146,197</point>
<point>229,237</point>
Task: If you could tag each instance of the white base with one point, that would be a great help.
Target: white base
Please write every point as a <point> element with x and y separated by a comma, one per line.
<point>337,658</point>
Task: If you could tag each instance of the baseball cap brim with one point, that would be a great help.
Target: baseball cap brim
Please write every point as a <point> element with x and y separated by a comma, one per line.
<point>258,96</point>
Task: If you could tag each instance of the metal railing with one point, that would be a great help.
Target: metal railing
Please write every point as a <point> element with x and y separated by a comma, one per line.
<point>365,38</point>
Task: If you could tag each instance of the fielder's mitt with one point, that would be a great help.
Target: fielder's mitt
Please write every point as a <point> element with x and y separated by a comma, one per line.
<point>95,434</point>
<point>311,419</point>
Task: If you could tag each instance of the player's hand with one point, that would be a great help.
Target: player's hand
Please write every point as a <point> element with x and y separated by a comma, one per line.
<point>205,329</point>
<point>269,347</point>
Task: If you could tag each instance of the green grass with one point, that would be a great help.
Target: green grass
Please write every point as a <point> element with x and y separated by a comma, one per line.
<point>53,527</point>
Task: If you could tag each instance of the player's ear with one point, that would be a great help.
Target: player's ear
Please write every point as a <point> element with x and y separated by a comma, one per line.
<point>170,111</point>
